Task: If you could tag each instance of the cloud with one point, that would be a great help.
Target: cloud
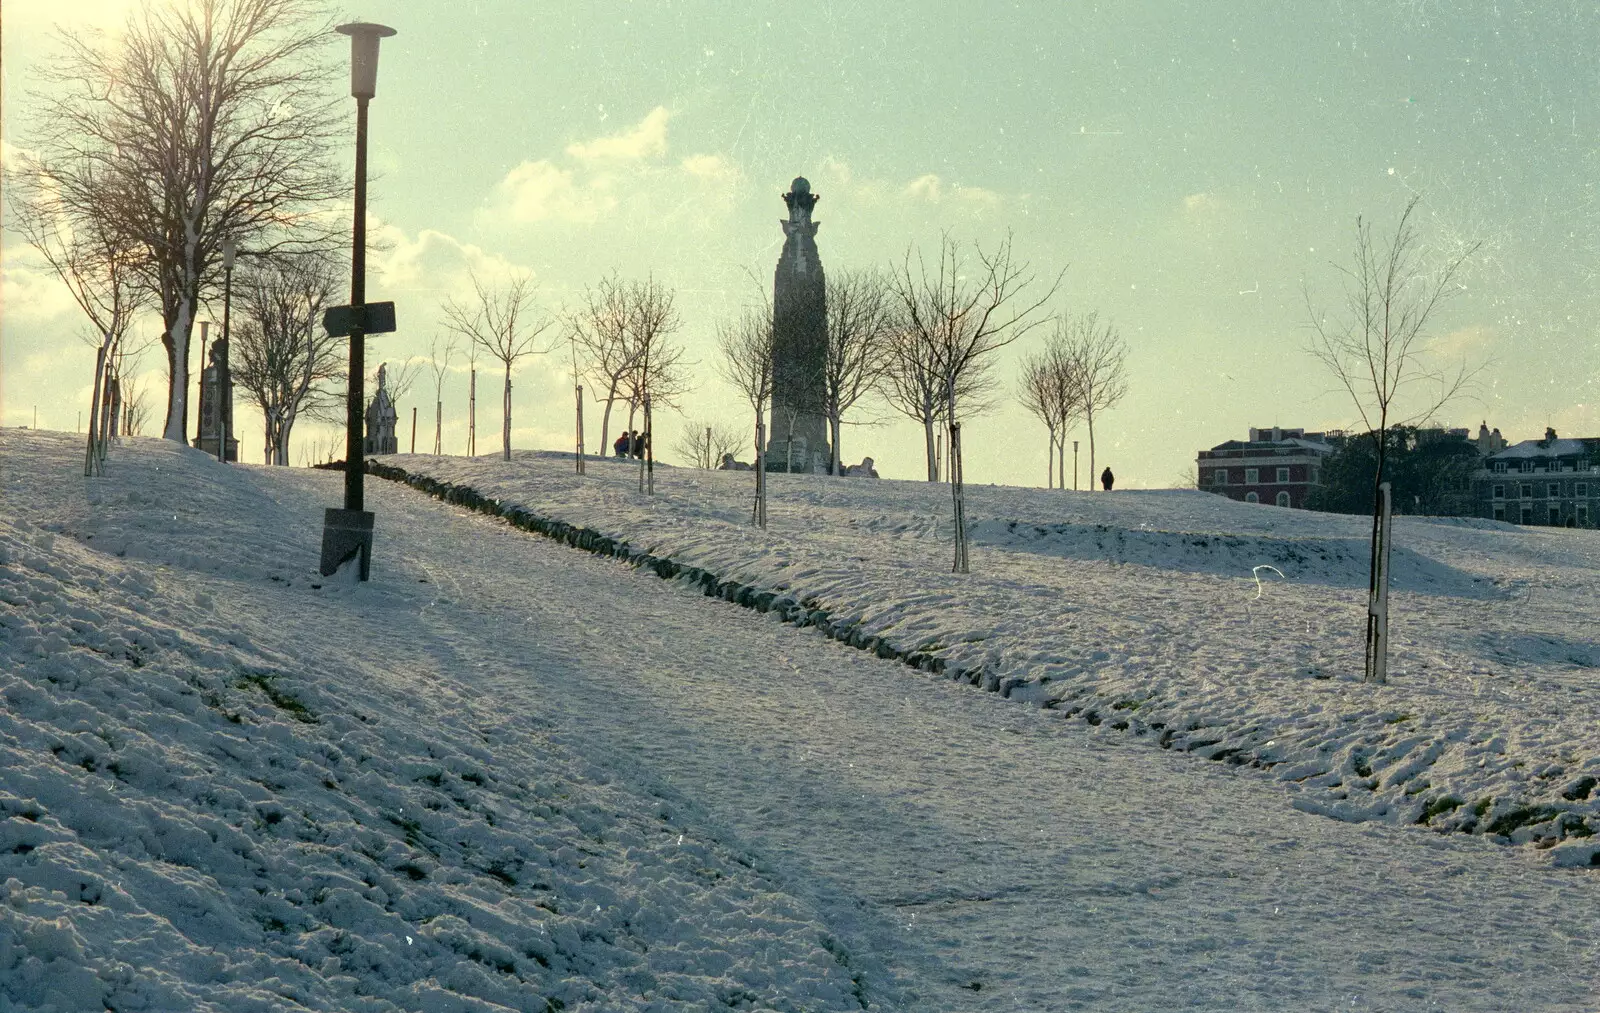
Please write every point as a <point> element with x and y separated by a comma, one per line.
<point>933,190</point>
<point>597,178</point>
<point>647,139</point>
<point>1202,203</point>
<point>541,191</point>
<point>1472,342</point>
<point>30,290</point>
<point>434,261</point>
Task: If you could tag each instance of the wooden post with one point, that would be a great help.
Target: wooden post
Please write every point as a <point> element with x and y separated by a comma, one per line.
<point>1377,668</point>
<point>649,452</point>
<point>709,465</point>
<point>760,513</point>
<point>413,429</point>
<point>472,413</point>
<point>958,501</point>
<point>579,392</point>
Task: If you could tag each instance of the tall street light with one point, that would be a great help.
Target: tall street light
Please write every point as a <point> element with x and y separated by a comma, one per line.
<point>349,531</point>
<point>224,392</point>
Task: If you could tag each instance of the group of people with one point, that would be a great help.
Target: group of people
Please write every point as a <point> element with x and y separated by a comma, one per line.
<point>631,444</point>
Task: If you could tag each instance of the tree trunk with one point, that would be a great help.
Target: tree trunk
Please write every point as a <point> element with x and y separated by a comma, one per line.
<point>838,463</point>
<point>472,413</point>
<point>90,457</point>
<point>605,420</point>
<point>1050,464</point>
<point>438,428</point>
<point>1093,478</point>
<point>176,342</point>
<point>927,437</point>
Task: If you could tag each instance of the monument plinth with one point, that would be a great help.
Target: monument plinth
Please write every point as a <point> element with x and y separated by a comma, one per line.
<point>799,432</point>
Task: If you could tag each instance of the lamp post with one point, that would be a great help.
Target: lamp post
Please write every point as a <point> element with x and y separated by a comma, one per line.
<point>224,392</point>
<point>348,532</point>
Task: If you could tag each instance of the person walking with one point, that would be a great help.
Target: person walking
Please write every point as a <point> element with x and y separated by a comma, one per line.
<point>1106,478</point>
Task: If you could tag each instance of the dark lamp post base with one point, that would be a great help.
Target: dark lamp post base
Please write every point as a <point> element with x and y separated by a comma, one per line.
<point>344,534</point>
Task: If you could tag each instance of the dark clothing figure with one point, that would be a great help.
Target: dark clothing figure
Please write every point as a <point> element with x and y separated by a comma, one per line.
<point>621,446</point>
<point>1106,478</point>
<point>640,442</point>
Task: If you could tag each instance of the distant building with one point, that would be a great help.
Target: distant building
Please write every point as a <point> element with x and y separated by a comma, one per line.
<point>1552,481</point>
<point>1278,466</point>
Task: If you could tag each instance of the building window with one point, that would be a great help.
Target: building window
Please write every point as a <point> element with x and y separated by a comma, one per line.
<point>1499,492</point>
<point>1555,516</point>
<point>1500,466</point>
<point>1314,476</point>
<point>1252,476</point>
<point>1583,488</point>
<point>1220,476</point>
<point>1283,497</point>
<point>1499,512</point>
<point>1251,497</point>
<point>1526,490</point>
<point>1527,466</point>
<point>1283,475</point>
<point>1555,489</point>
<point>1583,514</point>
<point>1527,514</point>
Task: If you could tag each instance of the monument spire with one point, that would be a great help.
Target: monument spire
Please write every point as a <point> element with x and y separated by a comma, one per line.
<point>799,433</point>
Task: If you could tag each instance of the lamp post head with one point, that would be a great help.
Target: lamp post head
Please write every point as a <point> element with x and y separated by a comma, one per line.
<point>230,249</point>
<point>364,55</point>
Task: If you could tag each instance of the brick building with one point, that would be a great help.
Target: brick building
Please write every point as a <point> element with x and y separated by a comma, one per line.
<point>1277,466</point>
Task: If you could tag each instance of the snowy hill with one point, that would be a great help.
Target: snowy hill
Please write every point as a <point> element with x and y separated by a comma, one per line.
<point>199,812</point>
<point>1149,612</point>
<point>510,775</point>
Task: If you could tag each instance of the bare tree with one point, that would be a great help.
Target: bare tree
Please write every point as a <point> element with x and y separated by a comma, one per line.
<point>860,328</point>
<point>958,315</point>
<point>505,324</point>
<point>100,269</point>
<point>599,329</point>
<point>1377,353</point>
<point>1046,388</point>
<point>136,406</point>
<point>439,357</point>
<point>657,369</point>
<point>283,359</point>
<point>199,121</point>
<point>914,386</point>
<point>953,318</point>
<point>746,344</point>
<point>705,443</point>
<point>1094,357</point>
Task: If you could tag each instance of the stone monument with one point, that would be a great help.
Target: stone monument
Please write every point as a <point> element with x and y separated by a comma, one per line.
<point>381,417</point>
<point>209,418</point>
<point>799,431</point>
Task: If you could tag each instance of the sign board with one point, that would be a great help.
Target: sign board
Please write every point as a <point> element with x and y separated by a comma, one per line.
<point>372,318</point>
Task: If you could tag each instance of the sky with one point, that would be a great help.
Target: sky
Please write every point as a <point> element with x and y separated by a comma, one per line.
<point>1196,170</point>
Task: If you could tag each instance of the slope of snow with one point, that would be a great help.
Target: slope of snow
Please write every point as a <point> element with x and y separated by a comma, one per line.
<point>196,815</point>
<point>1151,612</point>
<point>765,818</point>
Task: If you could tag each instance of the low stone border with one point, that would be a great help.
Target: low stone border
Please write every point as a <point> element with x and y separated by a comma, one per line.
<point>808,612</point>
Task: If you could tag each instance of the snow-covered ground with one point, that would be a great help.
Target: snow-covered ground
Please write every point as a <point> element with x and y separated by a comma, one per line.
<point>508,774</point>
<point>1146,612</point>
